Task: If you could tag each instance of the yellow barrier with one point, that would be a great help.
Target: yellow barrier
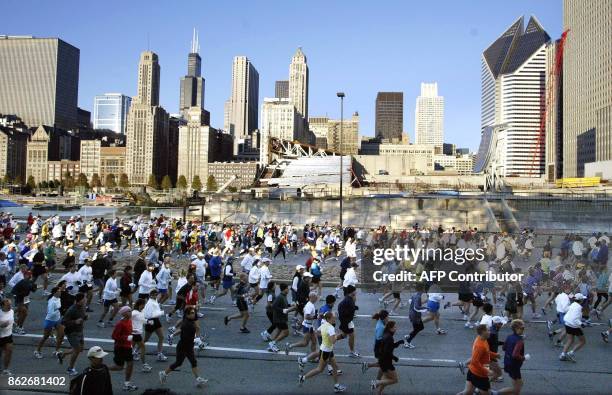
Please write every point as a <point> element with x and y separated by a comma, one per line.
<point>578,182</point>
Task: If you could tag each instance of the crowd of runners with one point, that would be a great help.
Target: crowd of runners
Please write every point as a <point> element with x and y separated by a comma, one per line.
<point>159,297</point>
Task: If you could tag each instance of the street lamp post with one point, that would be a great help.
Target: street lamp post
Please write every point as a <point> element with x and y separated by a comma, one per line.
<point>341,96</point>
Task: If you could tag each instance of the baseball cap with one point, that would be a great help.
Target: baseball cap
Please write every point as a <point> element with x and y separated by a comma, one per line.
<point>96,352</point>
<point>307,274</point>
<point>499,320</point>
<point>299,267</point>
<point>579,296</point>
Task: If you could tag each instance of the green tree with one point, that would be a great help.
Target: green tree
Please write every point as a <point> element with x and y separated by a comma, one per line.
<point>51,184</point>
<point>68,180</point>
<point>95,181</point>
<point>43,184</point>
<point>153,182</point>
<point>6,179</point>
<point>109,182</point>
<point>82,181</point>
<point>31,182</point>
<point>181,183</point>
<point>211,184</point>
<point>232,189</point>
<point>166,183</point>
<point>19,180</point>
<point>124,182</point>
<point>196,183</point>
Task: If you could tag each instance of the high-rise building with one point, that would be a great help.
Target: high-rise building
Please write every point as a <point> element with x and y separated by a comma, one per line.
<point>39,80</point>
<point>350,143</point>
<point>193,84</point>
<point>298,83</point>
<point>111,111</point>
<point>195,143</point>
<point>147,127</point>
<point>513,80</point>
<point>281,89</point>
<point>320,128</point>
<point>244,102</point>
<point>429,116</point>
<point>389,115</point>
<point>13,150</point>
<point>279,119</point>
<point>587,84</point>
<point>554,114</point>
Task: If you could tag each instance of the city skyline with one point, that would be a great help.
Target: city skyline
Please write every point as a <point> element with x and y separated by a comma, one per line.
<point>389,64</point>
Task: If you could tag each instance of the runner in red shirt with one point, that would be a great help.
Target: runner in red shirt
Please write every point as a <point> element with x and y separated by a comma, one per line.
<point>122,334</point>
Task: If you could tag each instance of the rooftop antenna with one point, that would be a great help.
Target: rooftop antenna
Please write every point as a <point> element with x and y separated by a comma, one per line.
<point>195,42</point>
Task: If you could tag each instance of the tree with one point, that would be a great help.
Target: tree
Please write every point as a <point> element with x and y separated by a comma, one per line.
<point>43,184</point>
<point>166,183</point>
<point>95,181</point>
<point>51,184</point>
<point>211,184</point>
<point>82,181</point>
<point>19,180</point>
<point>232,189</point>
<point>68,180</point>
<point>124,182</point>
<point>196,183</point>
<point>181,183</point>
<point>6,179</point>
<point>153,182</point>
<point>109,182</point>
<point>31,182</point>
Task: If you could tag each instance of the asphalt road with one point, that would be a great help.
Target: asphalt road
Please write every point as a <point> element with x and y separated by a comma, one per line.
<point>237,363</point>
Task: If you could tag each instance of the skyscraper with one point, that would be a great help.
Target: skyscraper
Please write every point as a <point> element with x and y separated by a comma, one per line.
<point>193,84</point>
<point>279,119</point>
<point>389,115</point>
<point>513,81</point>
<point>111,111</point>
<point>39,80</point>
<point>281,89</point>
<point>147,126</point>
<point>244,102</point>
<point>587,84</point>
<point>429,116</point>
<point>298,83</point>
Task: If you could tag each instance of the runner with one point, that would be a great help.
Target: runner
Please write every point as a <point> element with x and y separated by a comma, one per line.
<point>242,299</point>
<point>346,314</point>
<point>514,356</point>
<point>122,334</point>
<point>53,320</point>
<point>310,315</point>
<point>73,328</point>
<point>152,312</point>
<point>6,339</point>
<point>326,356</point>
<point>189,335</point>
<point>111,290</point>
<point>386,359</point>
<point>280,318</point>
<point>573,329</point>
<point>382,317</point>
<point>138,322</point>
<point>478,373</point>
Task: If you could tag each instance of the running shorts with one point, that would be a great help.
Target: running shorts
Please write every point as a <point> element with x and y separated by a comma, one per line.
<point>75,339</point>
<point>162,291</point>
<point>122,355</point>
<point>346,327</point>
<point>513,371</point>
<point>50,324</point>
<point>152,327</point>
<point>573,331</point>
<point>6,340</point>
<point>241,304</point>
<point>108,303</point>
<point>482,383</point>
<point>467,297</point>
<point>136,338</point>
<point>386,366</point>
<point>326,355</point>
<point>433,306</point>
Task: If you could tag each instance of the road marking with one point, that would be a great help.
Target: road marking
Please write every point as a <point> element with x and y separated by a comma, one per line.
<point>250,350</point>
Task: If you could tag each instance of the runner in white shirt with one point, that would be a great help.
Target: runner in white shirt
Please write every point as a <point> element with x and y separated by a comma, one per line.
<point>308,329</point>
<point>73,280</point>
<point>573,328</point>
<point>247,261</point>
<point>152,313</point>
<point>254,279</point>
<point>111,291</point>
<point>146,283</point>
<point>7,319</point>
<point>562,302</point>
<point>138,322</point>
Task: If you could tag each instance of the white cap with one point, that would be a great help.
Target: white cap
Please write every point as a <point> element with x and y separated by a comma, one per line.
<point>200,254</point>
<point>194,257</point>
<point>499,320</point>
<point>307,274</point>
<point>299,267</point>
<point>96,352</point>
<point>579,296</point>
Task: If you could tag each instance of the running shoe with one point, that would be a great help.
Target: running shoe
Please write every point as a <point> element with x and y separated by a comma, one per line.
<point>244,330</point>
<point>169,339</point>
<point>287,348</point>
<point>300,364</point>
<point>200,315</point>
<point>129,387</point>
<point>161,357</point>
<point>162,377</point>
<point>301,380</point>
<point>146,368</point>
<point>409,345</point>
<point>380,301</point>
<point>447,305</point>
<point>7,372</point>
<point>265,336</point>
<point>605,336</point>
<point>364,367</point>
<point>72,372</point>
<point>135,354</point>
<point>571,356</point>
<point>200,381</point>
<point>465,317</point>
<point>373,384</point>
<point>330,372</point>
<point>440,331</point>
<point>171,330</point>
<point>469,325</point>
<point>461,367</point>
<point>339,388</point>
<point>563,357</point>
<point>354,354</point>
<point>37,355</point>
<point>60,357</point>
<point>100,324</point>
<point>597,314</point>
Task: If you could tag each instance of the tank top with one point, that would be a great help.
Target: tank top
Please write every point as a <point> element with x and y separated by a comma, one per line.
<point>326,343</point>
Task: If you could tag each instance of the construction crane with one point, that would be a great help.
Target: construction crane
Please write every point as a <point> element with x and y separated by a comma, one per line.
<point>546,100</point>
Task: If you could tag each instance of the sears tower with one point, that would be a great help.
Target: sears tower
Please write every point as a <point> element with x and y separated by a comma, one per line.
<point>192,85</point>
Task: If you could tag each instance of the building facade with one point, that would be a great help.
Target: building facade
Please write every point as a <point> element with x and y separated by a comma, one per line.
<point>389,115</point>
<point>396,159</point>
<point>60,169</point>
<point>246,173</point>
<point>429,116</point>
<point>319,128</point>
<point>459,164</point>
<point>147,127</point>
<point>298,84</point>
<point>38,155</point>
<point>587,83</point>
<point>244,101</point>
<point>13,152</point>
<point>110,112</point>
<point>196,143</point>
<point>193,84</point>
<point>513,83</point>
<point>279,119</point>
<point>281,89</point>
<point>39,80</point>
<point>554,115</point>
<point>345,139</point>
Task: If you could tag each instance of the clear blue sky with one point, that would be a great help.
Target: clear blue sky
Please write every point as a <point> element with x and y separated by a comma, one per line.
<point>359,47</point>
